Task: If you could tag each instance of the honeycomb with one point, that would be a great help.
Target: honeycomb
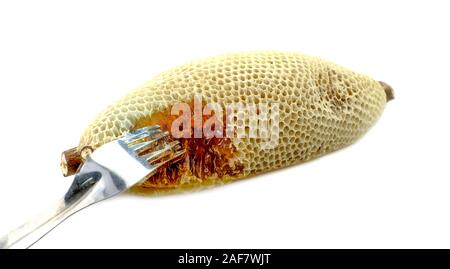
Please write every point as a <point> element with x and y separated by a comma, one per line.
<point>322,107</point>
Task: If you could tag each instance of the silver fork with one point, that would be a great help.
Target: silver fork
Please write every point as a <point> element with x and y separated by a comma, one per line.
<point>110,170</point>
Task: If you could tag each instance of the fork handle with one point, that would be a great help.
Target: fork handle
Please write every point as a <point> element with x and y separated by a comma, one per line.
<point>83,192</point>
<point>30,232</point>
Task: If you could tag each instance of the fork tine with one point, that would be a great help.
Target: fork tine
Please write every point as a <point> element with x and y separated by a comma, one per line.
<point>178,154</point>
<point>141,133</point>
<point>155,155</point>
<point>139,148</point>
<point>145,129</point>
<point>136,139</point>
<point>173,158</point>
<point>143,146</point>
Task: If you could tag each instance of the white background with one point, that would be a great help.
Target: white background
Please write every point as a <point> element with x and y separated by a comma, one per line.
<point>62,62</point>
